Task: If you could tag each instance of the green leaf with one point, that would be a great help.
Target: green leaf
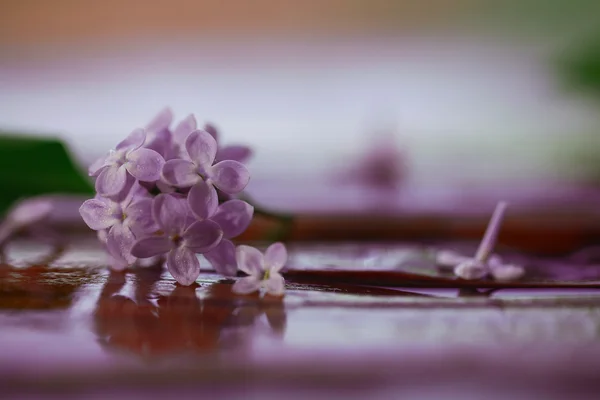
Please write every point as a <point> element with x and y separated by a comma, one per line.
<point>31,166</point>
<point>581,66</point>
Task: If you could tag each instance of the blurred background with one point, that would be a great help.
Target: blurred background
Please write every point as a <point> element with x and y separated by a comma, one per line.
<point>349,105</point>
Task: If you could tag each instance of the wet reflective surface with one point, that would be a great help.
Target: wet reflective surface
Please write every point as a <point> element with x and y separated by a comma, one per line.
<point>71,329</point>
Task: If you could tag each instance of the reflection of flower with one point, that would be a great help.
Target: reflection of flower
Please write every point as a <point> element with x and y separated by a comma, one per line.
<point>152,322</point>
<point>484,262</point>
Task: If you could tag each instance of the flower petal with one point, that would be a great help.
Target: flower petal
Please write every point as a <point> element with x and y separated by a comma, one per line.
<point>202,236</point>
<point>229,176</point>
<point>161,142</point>
<point>246,285</point>
<point>203,199</point>
<point>275,256</point>
<point>145,164</point>
<point>180,173</point>
<point>102,234</point>
<point>117,263</point>
<point>449,258</point>
<point>235,153</point>
<point>183,265</point>
<point>30,211</point>
<point>202,148</point>
<point>139,217</point>
<point>184,128</point>
<point>222,258</point>
<point>135,192</point>
<point>507,272</point>
<point>275,285</point>
<point>249,260</point>
<point>99,214</point>
<point>233,216</point>
<point>119,242</point>
<point>97,166</point>
<point>151,246</point>
<point>161,121</point>
<point>111,181</point>
<point>471,269</point>
<point>171,212</point>
<point>135,140</point>
<point>212,131</point>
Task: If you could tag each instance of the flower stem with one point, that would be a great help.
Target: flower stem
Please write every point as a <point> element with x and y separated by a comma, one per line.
<point>486,247</point>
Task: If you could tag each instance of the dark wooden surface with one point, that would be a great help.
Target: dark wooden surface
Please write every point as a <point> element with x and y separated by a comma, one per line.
<point>71,329</point>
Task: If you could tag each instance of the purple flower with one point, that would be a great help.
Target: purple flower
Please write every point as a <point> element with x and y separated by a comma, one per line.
<point>233,152</point>
<point>158,135</point>
<point>129,157</point>
<point>484,263</point>
<point>122,221</point>
<point>24,214</point>
<point>229,176</point>
<point>233,217</point>
<point>181,237</point>
<point>263,271</point>
<point>181,133</point>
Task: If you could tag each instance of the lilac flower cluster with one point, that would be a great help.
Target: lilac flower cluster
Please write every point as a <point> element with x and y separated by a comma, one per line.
<point>166,192</point>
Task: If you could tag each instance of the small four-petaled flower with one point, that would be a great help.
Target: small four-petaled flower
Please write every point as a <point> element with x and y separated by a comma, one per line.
<point>263,270</point>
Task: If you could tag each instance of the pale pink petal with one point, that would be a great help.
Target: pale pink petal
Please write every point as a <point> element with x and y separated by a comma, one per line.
<point>235,153</point>
<point>234,216</point>
<point>183,265</point>
<point>119,242</point>
<point>161,121</point>
<point>246,285</point>
<point>111,181</point>
<point>151,246</point>
<point>135,140</point>
<point>222,258</point>
<point>275,257</point>
<point>202,148</point>
<point>180,173</point>
<point>184,128</point>
<point>229,176</point>
<point>203,199</point>
<point>99,214</point>
<point>171,212</point>
<point>202,236</point>
<point>275,285</point>
<point>249,260</point>
<point>145,164</point>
